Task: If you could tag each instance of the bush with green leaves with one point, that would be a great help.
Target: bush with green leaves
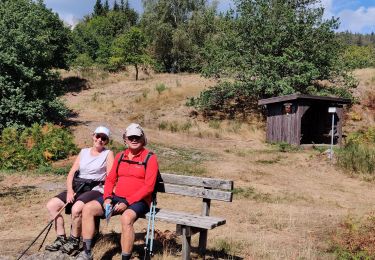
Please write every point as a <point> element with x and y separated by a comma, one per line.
<point>358,154</point>
<point>358,57</point>
<point>34,146</point>
<point>33,42</point>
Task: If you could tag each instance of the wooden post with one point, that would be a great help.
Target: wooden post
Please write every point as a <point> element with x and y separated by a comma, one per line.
<point>203,234</point>
<point>186,239</point>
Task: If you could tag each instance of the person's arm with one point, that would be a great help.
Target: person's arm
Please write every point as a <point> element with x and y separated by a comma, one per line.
<point>150,180</point>
<point>110,180</point>
<point>69,180</point>
<point>110,159</point>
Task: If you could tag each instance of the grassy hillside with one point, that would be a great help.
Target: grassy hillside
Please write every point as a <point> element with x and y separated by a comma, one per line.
<point>287,202</point>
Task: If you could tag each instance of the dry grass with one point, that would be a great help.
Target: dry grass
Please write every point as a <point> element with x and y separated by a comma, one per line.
<point>286,203</point>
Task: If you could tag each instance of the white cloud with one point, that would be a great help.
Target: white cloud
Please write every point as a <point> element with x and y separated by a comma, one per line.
<point>358,20</point>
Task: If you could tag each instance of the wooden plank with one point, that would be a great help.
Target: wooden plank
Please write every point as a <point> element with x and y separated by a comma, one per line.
<point>186,243</point>
<point>188,219</point>
<point>197,181</point>
<point>198,192</point>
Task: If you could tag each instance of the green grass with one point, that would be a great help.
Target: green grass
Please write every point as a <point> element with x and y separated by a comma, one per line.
<point>53,170</point>
<point>252,194</point>
<point>179,160</point>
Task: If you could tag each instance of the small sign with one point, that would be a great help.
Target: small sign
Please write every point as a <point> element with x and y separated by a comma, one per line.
<point>332,110</point>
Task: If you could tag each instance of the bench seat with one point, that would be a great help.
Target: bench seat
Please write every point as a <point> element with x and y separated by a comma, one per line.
<point>187,219</point>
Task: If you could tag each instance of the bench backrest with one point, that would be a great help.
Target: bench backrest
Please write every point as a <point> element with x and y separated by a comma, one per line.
<point>206,188</point>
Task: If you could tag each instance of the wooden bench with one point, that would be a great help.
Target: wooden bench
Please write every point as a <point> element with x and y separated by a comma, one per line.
<point>188,224</point>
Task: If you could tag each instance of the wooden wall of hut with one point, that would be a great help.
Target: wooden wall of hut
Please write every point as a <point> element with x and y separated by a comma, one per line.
<point>281,126</point>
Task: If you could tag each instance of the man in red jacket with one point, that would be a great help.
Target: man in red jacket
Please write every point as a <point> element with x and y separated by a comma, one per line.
<point>128,189</point>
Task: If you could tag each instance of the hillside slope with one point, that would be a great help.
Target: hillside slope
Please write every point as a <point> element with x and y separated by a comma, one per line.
<point>286,203</point>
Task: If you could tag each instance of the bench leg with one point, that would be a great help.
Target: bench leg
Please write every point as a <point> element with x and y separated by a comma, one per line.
<point>203,242</point>
<point>186,246</point>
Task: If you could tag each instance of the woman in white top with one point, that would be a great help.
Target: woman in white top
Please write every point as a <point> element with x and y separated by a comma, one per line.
<point>93,165</point>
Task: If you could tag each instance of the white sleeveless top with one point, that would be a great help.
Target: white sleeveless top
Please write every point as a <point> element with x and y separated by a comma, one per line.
<point>93,167</point>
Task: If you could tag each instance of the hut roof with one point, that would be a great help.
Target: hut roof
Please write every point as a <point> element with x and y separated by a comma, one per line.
<point>302,96</point>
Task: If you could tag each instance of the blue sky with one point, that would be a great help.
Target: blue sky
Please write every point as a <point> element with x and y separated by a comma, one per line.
<point>355,15</point>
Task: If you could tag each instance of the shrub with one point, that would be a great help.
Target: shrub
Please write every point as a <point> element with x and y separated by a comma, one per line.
<point>354,239</point>
<point>358,155</point>
<point>357,57</point>
<point>160,88</point>
<point>34,146</point>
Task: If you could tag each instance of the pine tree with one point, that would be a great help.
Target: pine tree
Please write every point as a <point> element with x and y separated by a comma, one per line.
<point>106,7</point>
<point>116,6</point>
<point>122,5</point>
<point>98,8</point>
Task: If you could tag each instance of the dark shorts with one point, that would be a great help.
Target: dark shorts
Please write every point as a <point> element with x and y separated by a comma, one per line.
<point>84,197</point>
<point>140,208</point>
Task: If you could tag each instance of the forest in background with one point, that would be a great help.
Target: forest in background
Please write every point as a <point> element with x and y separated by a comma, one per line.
<point>262,49</point>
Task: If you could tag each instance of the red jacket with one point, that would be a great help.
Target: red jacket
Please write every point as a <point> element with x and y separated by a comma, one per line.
<point>132,181</point>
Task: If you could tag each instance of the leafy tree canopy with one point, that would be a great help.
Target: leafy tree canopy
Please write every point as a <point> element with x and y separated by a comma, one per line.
<point>178,29</point>
<point>130,48</point>
<point>33,41</point>
<point>276,47</point>
<point>93,37</point>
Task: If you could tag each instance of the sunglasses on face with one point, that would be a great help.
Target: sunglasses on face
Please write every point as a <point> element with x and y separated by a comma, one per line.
<point>103,137</point>
<point>134,138</point>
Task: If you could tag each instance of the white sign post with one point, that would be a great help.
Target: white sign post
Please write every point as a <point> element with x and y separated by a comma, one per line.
<point>332,110</point>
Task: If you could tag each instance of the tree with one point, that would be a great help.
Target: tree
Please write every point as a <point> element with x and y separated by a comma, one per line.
<point>94,36</point>
<point>276,47</point>
<point>106,7</point>
<point>116,6</point>
<point>98,8</point>
<point>130,48</point>
<point>167,24</point>
<point>122,5</point>
<point>33,41</point>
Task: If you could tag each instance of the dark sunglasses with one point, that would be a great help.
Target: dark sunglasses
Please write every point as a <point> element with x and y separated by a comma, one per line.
<point>102,136</point>
<point>134,138</point>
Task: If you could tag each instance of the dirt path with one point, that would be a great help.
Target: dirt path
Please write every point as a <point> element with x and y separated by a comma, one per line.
<point>286,204</point>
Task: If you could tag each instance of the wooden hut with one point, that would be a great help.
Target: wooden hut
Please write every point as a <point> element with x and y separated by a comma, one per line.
<point>303,119</point>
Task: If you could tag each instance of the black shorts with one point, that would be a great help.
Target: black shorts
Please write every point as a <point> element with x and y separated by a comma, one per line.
<point>84,197</point>
<point>140,208</point>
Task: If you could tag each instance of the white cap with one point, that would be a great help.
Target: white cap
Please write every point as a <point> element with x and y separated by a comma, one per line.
<point>134,129</point>
<point>102,130</point>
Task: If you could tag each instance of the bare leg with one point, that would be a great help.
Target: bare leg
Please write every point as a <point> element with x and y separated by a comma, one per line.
<point>54,205</point>
<point>90,210</point>
<point>127,235</point>
<point>77,218</point>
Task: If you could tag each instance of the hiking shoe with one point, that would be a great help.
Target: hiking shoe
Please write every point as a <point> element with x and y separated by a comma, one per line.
<point>84,256</point>
<point>57,244</point>
<point>70,246</point>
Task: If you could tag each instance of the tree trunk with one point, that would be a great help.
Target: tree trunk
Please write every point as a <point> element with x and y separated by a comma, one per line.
<point>136,71</point>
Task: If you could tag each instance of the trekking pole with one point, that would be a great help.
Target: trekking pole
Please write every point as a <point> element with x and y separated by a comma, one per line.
<point>150,235</point>
<point>148,232</point>
<point>44,239</point>
<point>152,227</point>
<point>49,223</point>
